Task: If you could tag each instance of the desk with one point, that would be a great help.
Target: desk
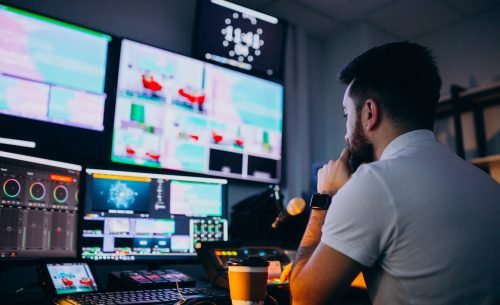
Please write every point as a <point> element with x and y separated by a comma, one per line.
<point>16,277</point>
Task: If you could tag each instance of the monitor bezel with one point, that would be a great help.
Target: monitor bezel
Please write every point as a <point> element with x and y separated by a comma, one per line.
<point>37,260</point>
<point>233,177</point>
<point>278,77</point>
<point>154,261</point>
<point>38,131</point>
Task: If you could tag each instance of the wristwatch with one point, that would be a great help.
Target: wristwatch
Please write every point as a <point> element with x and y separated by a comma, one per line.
<point>320,201</point>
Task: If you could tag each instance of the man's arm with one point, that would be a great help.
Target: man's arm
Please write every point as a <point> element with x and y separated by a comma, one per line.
<point>324,278</point>
<point>320,273</point>
<point>309,242</point>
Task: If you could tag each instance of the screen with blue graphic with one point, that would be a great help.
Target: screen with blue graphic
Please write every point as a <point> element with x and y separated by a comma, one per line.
<point>136,216</point>
<point>51,71</point>
<point>179,113</point>
<point>115,194</point>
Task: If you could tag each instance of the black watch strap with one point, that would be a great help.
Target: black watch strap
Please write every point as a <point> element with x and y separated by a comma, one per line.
<point>320,201</point>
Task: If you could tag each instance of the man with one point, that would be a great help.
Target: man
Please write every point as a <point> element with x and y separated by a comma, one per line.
<point>420,223</point>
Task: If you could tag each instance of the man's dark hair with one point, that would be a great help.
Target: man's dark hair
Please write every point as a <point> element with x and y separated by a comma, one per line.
<point>402,77</point>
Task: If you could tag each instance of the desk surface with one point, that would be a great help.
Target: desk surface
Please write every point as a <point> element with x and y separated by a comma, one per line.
<point>14,278</point>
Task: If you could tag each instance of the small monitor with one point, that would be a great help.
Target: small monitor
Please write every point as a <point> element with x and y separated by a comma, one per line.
<point>144,216</point>
<point>179,113</point>
<point>232,35</point>
<point>51,71</point>
<point>71,278</point>
<point>38,208</point>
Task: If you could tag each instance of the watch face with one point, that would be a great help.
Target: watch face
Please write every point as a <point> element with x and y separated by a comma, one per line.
<point>320,201</point>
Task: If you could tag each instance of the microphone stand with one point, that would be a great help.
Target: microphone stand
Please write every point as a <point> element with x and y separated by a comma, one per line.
<point>279,205</point>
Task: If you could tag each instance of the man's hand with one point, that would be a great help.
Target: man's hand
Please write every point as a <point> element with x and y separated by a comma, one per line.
<point>285,274</point>
<point>333,175</point>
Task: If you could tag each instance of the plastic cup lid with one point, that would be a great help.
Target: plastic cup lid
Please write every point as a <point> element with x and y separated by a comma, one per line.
<point>249,262</point>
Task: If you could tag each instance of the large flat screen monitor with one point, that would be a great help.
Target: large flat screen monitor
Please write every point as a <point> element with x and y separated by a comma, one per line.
<point>232,35</point>
<point>51,71</point>
<point>179,113</point>
<point>143,216</point>
<point>38,208</point>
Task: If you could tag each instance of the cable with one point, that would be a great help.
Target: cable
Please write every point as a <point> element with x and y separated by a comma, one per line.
<point>19,290</point>
<point>179,292</point>
<point>214,280</point>
<point>185,300</point>
<point>273,299</point>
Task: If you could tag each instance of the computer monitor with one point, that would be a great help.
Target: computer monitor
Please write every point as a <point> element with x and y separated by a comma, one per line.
<point>179,113</point>
<point>51,71</point>
<point>232,35</point>
<point>38,208</point>
<point>142,216</point>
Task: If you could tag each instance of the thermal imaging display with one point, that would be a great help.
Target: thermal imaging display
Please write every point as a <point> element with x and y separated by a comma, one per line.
<point>137,216</point>
<point>179,113</point>
<point>50,70</point>
<point>71,278</point>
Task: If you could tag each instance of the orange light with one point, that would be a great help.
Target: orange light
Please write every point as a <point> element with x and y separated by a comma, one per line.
<point>218,253</point>
<point>61,178</point>
<point>119,177</point>
<point>359,281</point>
<point>274,280</point>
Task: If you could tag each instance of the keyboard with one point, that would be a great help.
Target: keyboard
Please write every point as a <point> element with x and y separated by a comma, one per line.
<point>146,297</point>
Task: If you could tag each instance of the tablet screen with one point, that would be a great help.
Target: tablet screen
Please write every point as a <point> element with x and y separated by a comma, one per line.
<point>71,278</point>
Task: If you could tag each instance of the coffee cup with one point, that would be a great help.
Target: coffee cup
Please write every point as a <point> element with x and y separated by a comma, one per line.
<point>248,281</point>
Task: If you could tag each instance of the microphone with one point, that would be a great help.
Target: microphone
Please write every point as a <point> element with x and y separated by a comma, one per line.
<point>295,207</point>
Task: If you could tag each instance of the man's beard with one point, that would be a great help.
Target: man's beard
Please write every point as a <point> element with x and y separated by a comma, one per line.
<point>361,150</point>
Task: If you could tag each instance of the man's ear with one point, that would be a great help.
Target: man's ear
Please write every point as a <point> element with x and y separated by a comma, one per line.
<point>371,114</point>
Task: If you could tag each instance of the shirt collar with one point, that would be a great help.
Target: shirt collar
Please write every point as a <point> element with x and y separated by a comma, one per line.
<point>407,139</point>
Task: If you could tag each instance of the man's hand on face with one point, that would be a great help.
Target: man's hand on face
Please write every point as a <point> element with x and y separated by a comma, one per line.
<point>333,175</point>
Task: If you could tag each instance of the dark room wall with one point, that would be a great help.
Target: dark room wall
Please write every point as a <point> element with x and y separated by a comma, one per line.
<point>467,54</point>
<point>167,24</point>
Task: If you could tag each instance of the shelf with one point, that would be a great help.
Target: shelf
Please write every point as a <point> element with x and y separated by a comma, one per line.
<point>479,97</point>
<point>491,163</point>
<point>485,161</point>
<point>473,100</point>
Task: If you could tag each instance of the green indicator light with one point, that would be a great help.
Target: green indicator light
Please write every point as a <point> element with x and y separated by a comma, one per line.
<point>56,22</point>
